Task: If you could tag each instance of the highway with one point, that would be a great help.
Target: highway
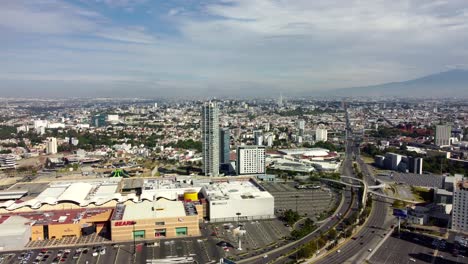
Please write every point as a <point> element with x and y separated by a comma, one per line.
<point>279,255</point>
<point>349,205</point>
<point>355,250</point>
<point>276,256</point>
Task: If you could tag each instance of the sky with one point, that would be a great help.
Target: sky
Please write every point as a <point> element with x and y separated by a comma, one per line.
<point>206,48</point>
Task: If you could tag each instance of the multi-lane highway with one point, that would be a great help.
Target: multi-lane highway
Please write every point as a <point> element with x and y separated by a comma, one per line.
<point>349,205</point>
<point>356,249</point>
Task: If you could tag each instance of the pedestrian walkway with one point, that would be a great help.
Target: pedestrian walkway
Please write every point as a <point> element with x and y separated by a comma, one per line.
<point>68,241</point>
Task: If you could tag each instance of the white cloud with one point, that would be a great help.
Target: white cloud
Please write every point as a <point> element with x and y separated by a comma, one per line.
<point>240,44</point>
<point>59,18</point>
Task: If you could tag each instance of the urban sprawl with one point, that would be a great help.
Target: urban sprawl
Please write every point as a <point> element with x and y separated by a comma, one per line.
<point>233,181</point>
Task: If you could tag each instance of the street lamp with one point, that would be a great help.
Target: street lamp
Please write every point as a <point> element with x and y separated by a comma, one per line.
<point>296,196</point>
<point>134,242</point>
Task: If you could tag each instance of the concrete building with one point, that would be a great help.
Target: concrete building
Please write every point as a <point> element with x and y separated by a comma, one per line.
<point>112,118</point>
<point>15,232</point>
<point>300,127</point>
<point>155,219</point>
<point>392,161</point>
<point>243,199</point>
<point>442,135</point>
<point>224,145</point>
<point>250,160</point>
<point>269,139</point>
<point>415,165</point>
<point>321,133</point>
<point>98,120</point>
<point>258,137</point>
<point>51,147</point>
<point>210,138</point>
<point>7,162</point>
<point>460,206</point>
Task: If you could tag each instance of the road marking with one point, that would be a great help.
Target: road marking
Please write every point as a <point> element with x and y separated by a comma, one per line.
<point>117,255</point>
<point>434,256</point>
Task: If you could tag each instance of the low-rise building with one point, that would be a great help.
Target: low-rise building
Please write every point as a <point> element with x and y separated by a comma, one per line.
<point>155,219</point>
<point>243,199</point>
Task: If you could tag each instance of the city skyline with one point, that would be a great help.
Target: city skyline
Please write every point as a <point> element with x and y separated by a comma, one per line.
<point>190,48</point>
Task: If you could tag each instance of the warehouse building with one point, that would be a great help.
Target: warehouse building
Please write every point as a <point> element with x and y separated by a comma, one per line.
<point>15,232</point>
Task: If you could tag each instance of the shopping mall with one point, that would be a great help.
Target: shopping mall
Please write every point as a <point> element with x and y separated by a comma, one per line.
<point>123,209</point>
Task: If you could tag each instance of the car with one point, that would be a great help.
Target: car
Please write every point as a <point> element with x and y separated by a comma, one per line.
<point>370,249</point>
<point>338,251</point>
<point>102,251</point>
<point>412,260</point>
<point>95,253</point>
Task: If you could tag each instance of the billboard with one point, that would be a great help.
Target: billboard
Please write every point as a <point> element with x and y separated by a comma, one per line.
<point>226,261</point>
<point>403,213</point>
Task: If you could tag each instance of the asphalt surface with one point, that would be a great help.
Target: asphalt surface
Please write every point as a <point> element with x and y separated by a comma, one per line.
<point>415,248</point>
<point>281,255</point>
<point>362,244</point>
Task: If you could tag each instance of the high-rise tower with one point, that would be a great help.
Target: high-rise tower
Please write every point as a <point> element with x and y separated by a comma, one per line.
<point>210,138</point>
<point>224,145</point>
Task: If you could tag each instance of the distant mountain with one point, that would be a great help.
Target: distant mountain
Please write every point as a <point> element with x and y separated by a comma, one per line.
<point>453,83</point>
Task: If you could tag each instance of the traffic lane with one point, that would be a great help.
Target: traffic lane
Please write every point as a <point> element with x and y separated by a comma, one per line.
<point>124,254</point>
<point>364,238</point>
<point>109,256</point>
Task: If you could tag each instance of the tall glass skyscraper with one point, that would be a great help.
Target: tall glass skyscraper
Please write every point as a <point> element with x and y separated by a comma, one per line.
<point>210,138</point>
<point>224,145</point>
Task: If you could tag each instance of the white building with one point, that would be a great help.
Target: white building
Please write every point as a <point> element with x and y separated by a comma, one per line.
<point>442,135</point>
<point>40,123</point>
<point>51,147</point>
<point>55,125</point>
<point>250,160</point>
<point>210,138</point>
<point>460,206</point>
<point>321,133</point>
<point>112,118</point>
<point>258,137</point>
<point>392,161</point>
<point>15,232</point>
<point>301,124</point>
<point>244,200</point>
<point>7,162</point>
<point>269,139</point>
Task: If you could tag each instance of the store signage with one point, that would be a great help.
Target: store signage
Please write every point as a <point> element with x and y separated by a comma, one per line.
<point>124,223</point>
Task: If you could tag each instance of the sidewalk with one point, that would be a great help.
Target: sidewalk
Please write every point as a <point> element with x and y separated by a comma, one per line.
<point>68,241</point>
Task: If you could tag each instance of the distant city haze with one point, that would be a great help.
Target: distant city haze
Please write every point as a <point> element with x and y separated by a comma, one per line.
<point>233,48</point>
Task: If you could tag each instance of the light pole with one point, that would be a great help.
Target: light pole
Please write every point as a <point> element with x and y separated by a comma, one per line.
<point>296,196</point>
<point>134,243</point>
<point>240,232</point>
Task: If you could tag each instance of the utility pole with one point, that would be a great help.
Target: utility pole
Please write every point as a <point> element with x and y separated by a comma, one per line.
<point>134,242</point>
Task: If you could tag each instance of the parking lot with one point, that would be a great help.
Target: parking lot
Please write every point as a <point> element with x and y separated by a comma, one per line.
<point>259,236</point>
<point>416,248</point>
<point>82,255</point>
<point>310,202</point>
<point>424,180</point>
<point>199,250</point>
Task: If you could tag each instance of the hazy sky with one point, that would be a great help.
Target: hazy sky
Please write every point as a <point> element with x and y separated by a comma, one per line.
<point>226,47</point>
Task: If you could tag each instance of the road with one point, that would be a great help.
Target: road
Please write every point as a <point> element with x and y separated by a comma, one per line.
<point>280,255</point>
<point>378,223</point>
